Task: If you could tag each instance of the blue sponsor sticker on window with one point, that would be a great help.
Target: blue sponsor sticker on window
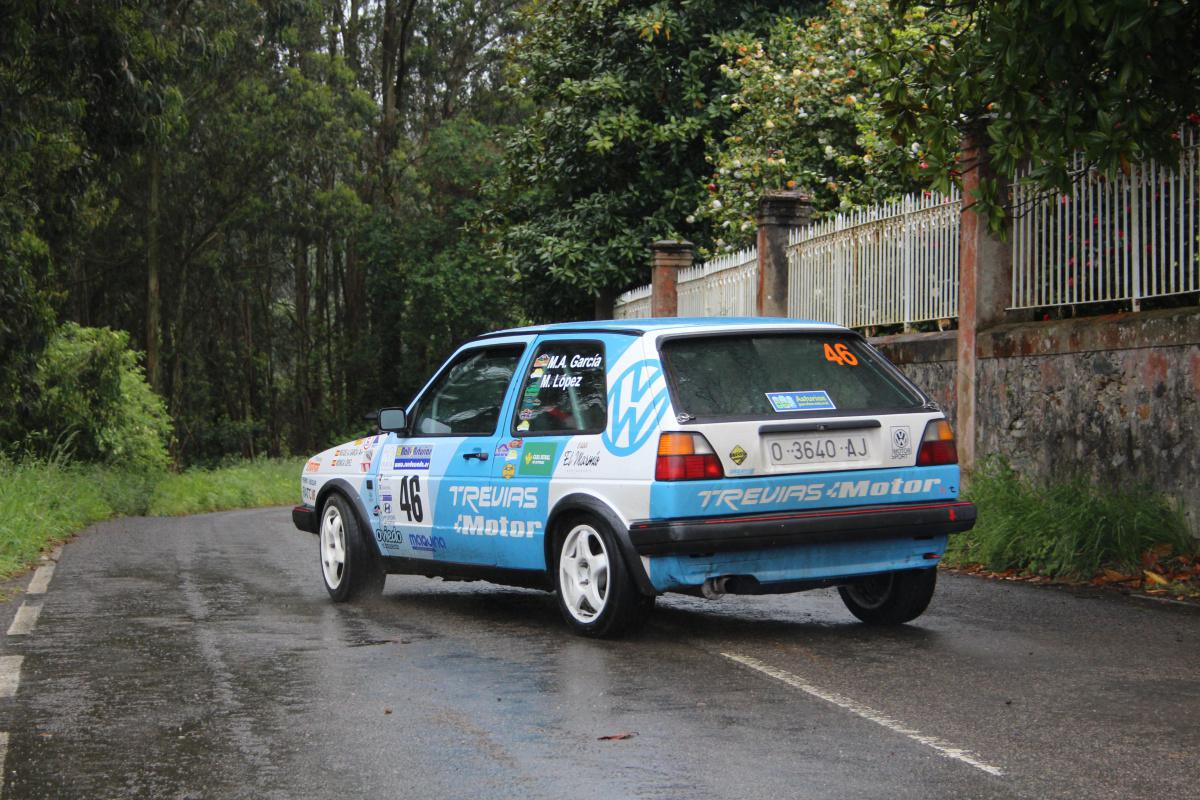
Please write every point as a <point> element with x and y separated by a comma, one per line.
<point>788,402</point>
<point>413,456</point>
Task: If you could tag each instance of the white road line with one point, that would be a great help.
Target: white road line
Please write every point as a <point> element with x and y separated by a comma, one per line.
<point>10,674</point>
<point>25,619</point>
<point>3,758</point>
<point>866,712</point>
<point>41,579</point>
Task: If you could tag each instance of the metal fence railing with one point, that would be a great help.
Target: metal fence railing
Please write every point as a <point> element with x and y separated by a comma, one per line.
<point>1110,240</point>
<point>895,263</point>
<point>634,304</point>
<point>727,286</point>
<point>1122,239</point>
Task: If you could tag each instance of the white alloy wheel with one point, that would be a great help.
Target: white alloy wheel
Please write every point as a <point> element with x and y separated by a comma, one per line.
<point>333,546</point>
<point>583,573</point>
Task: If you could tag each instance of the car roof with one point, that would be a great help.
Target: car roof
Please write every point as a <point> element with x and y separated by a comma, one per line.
<point>667,324</point>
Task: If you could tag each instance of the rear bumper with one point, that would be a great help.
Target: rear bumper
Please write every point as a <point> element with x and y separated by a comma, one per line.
<point>305,518</point>
<point>790,528</point>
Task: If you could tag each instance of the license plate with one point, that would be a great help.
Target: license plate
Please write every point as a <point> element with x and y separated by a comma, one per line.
<point>816,449</point>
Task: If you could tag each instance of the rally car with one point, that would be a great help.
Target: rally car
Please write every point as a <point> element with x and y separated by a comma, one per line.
<point>611,462</point>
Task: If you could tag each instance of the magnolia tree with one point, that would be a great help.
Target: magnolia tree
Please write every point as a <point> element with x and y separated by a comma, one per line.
<point>807,99</point>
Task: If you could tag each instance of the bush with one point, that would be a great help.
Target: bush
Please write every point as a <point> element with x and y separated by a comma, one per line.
<point>1070,529</point>
<point>93,402</point>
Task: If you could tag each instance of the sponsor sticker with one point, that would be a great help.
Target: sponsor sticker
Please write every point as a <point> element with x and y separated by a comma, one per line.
<point>901,441</point>
<point>313,465</point>
<point>738,454</point>
<point>508,471</point>
<point>579,459</point>
<point>502,450</point>
<point>523,426</point>
<point>737,499</point>
<point>542,361</point>
<point>413,457</point>
<point>787,402</point>
<point>426,544</point>
<point>539,458</point>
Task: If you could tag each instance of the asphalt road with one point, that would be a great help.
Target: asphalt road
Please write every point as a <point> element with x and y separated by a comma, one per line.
<point>201,658</point>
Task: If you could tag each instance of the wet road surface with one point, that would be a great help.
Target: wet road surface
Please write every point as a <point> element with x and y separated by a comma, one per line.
<point>200,657</point>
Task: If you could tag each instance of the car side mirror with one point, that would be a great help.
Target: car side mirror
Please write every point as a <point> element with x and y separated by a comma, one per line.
<point>393,420</point>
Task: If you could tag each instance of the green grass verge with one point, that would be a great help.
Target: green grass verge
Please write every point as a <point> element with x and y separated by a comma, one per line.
<point>43,502</point>
<point>1070,529</point>
<point>250,484</point>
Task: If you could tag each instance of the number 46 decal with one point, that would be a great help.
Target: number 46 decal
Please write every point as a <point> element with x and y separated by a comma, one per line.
<point>410,498</point>
<point>840,354</point>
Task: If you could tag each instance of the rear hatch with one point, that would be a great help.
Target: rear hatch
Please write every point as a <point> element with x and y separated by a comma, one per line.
<point>795,402</point>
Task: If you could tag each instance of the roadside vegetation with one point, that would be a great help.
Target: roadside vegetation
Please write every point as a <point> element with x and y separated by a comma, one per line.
<point>46,501</point>
<point>1075,532</point>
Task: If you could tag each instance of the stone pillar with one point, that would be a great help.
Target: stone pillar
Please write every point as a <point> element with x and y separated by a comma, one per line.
<point>778,213</point>
<point>984,293</point>
<point>667,257</point>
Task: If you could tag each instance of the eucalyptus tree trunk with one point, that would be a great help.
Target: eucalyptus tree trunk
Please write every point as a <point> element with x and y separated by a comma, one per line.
<point>153,263</point>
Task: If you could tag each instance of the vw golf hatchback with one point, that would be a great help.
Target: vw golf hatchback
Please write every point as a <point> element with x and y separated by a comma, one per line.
<point>611,462</point>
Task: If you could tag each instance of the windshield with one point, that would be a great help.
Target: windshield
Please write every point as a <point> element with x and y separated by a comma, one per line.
<point>767,375</point>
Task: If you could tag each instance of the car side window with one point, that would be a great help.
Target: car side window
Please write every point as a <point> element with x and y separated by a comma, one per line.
<point>466,398</point>
<point>564,391</point>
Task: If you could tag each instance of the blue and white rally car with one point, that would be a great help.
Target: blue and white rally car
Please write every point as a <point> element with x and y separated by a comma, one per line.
<point>614,461</point>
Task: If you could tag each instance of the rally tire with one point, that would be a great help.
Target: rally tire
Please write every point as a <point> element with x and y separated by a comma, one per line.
<point>891,598</point>
<point>596,594</point>
<point>349,570</point>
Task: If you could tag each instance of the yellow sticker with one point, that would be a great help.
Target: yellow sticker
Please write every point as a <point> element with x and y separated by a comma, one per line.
<point>737,454</point>
<point>508,471</point>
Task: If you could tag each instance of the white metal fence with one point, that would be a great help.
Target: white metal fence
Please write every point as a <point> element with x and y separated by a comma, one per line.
<point>896,263</point>
<point>1124,239</point>
<point>634,304</point>
<point>724,287</point>
<point>1110,240</point>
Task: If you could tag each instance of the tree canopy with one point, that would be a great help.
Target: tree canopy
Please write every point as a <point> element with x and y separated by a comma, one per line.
<point>1037,81</point>
<point>296,209</point>
<point>624,98</point>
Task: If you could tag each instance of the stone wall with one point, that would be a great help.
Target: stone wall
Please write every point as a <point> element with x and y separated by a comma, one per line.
<point>1114,398</point>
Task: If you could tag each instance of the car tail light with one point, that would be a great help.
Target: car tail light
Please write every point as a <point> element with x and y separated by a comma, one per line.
<point>937,445</point>
<point>686,457</point>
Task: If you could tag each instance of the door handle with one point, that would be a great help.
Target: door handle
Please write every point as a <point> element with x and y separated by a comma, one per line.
<point>482,456</point>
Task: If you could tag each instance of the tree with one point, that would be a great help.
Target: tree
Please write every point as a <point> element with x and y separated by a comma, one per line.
<point>806,100</point>
<point>1037,81</point>
<point>624,98</point>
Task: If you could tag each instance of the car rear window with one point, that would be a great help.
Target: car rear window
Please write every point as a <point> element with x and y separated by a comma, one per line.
<point>768,375</point>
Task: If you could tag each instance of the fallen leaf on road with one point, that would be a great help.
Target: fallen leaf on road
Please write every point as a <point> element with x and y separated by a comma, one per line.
<point>613,737</point>
<point>1155,578</point>
<point>1112,576</point>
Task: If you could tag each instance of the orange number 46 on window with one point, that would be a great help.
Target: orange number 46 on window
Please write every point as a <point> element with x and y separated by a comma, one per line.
<point>840,354</point>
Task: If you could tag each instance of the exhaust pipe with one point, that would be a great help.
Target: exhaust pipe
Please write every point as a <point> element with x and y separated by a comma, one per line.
<point>714,588</point>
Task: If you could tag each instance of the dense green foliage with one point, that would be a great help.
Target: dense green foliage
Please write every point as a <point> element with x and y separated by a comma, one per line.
<point>1038,80</point>
<point>626,97</point>
<point>295,210</point>
<point>806,99</point>
<point>45,501</point>
<point>1070,528</point>
<point>268,197</point>
<point>92,402</point>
